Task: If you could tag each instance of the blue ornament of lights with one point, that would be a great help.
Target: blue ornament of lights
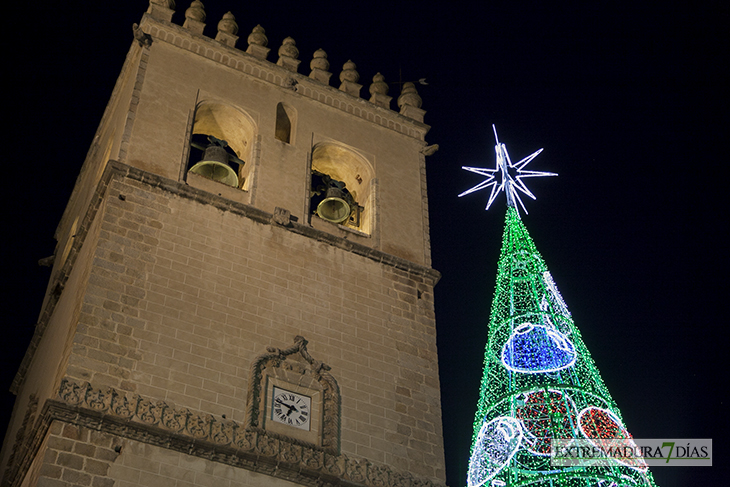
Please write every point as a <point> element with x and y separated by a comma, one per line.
<point>533,349</point>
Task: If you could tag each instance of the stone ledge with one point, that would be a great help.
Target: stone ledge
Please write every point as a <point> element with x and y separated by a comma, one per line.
<point>157,423</point>
<point>261,216</point>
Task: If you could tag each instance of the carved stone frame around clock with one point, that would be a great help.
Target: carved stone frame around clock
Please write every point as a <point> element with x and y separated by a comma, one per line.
<point>295,370</point>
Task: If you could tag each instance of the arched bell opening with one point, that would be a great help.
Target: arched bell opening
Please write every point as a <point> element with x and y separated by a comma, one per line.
<point>221,145</point>
<point>342,187</point>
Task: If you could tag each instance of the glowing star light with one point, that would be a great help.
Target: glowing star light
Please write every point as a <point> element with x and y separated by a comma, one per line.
<point>508,183</point>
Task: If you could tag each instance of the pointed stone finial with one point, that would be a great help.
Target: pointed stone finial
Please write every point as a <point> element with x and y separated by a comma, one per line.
<point>228,24</point>
<point>196,11</point>
<point>379,91</point>
<point>349,78</point>
<point>409,96</point>
<point>320,66</point>
<point>195,17</point>
<point>257,42</point>
<point>410,102</point>
<point>349,73</point>
<point>288,54</point>
<point>379,86</point>
<point>258,37</point>
<point>319,60</point>
<point>162,9</point>
<point>289,48</point>
<point>227,30</point>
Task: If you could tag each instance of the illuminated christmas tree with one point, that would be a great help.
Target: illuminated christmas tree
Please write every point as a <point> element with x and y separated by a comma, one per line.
<point>539,381</point>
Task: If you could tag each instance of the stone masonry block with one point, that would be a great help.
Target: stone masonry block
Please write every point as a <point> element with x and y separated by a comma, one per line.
<point>46,482</point>
<point>69,460</point>
<point>76,478</point>
<point>51,471</point>
<point>102,482</point>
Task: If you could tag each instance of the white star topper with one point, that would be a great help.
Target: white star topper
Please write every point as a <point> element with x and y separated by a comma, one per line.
<point>508,184</point>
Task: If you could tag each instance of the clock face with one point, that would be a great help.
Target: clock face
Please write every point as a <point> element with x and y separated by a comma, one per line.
<point>291,408</point>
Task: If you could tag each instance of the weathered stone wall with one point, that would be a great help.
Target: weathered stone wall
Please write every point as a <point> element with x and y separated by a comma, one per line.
<point>169,292</point>
<point>79,456</point>
<point>183,296</point>
<point>74,455</point>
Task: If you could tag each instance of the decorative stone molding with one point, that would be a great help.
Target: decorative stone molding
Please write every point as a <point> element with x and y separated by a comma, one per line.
<point>180,429</point>
<point>317,371</point>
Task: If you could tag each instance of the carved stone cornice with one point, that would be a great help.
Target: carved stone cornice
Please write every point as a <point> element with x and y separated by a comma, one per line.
<point>269,72</point>
<point>161,424</point>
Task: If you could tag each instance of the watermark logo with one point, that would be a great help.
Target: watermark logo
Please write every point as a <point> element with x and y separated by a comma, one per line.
<point>636,453</point>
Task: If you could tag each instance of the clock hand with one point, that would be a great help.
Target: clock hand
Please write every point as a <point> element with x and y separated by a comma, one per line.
<point>291,407</point>
<point>283,403</point>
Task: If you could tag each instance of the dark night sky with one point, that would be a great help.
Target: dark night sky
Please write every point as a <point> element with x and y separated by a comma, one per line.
<point>629,101</point>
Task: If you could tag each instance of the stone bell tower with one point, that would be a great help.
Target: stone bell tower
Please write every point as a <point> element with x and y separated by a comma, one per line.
<point>242,291</point>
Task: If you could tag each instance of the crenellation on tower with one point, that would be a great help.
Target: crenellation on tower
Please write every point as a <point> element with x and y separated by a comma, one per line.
<point>195,18</point>
<point>162,9</point>
<point>319,66</point>
<point>349,78</point>
<point>288,54</point>
<point>410,102</point>
<point>227,30</point>
<point>379,91</point>
<point>257,42</point>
